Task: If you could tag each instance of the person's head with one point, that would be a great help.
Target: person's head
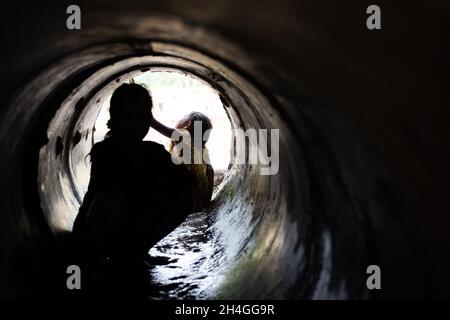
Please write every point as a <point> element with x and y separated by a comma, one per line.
<point>130,111</point>
<point>188,123</point>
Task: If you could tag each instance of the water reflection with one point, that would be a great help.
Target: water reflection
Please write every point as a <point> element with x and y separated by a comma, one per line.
<point>194,260</point>
<point>182,261</point>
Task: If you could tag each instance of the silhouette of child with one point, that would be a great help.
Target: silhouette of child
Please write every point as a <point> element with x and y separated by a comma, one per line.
<point>202,170</point>
<point>132,200</point>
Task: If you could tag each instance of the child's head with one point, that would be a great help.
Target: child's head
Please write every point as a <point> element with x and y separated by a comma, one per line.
<point>130,111</point>
<point>188,123</point>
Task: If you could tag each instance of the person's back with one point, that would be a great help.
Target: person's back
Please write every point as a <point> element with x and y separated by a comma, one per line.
<point>139,179</point>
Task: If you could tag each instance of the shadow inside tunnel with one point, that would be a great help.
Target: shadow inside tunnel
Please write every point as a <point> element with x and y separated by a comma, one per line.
<point>170,271</point>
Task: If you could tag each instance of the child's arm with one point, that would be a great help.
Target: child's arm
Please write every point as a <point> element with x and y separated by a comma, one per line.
<point>158,126</point>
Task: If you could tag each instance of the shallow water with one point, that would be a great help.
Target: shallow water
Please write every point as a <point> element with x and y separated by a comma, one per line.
<point>182,261</point>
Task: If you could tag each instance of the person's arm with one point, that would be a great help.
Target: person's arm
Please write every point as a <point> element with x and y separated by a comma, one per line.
<point>164,130</point>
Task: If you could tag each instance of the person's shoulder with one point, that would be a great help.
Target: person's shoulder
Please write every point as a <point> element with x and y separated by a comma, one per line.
<point>99,147</point>
<point>103,146</point>
<point>150,145</point>
<point>100,144</point>
<point>154,149</point>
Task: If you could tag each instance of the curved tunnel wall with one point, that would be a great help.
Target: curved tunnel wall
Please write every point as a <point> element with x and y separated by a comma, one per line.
<point>312,229</point>
<point>248,197</point>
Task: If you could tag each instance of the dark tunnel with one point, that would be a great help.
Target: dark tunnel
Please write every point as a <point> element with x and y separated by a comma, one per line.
<point>363,148</point>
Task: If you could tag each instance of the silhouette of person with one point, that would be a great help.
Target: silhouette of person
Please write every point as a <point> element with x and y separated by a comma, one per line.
<point>203,169</point>
<point>136,196</point>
